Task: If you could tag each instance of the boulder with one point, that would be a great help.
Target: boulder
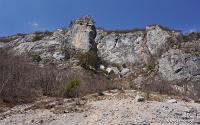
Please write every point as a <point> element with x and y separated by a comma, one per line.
<point>125,71</point>
<point>102,67</point>
<point>58,56</point>
<point>139,98</point>
<point>172,101</point>
<point>114,69</point>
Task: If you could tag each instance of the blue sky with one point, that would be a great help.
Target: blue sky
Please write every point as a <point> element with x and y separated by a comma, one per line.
<point>24,16</point>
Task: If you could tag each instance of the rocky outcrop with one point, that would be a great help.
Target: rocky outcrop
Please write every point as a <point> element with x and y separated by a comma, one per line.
<point>157,39</point>
<point>122,48</point>
<point>44,45</point>
<point>82,34</point>
<point>181,68</point>
<point>134,53</point>
<point>176,65</point>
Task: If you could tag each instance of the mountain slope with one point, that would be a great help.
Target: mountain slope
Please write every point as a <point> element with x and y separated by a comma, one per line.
<point>138,58</point>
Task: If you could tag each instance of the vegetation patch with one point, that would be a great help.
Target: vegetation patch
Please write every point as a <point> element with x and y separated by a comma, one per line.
<point>157,84</point>
<point>37,37</point>
<point>7,39</point>
<point>89,60</point>
<point>151,68</point>
<point>124,31</point>
<point>72,88</point>
<point>36,58</point>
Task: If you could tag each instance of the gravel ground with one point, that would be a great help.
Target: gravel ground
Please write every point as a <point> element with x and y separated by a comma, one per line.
<point>113,108</point>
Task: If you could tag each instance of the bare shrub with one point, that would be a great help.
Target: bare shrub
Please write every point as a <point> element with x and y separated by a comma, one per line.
<point>21,81</point>
<point>92,83</point>
<point>18,79</point>
<point>161,87</point>
<point>83,83</point>
<point>157,84</point>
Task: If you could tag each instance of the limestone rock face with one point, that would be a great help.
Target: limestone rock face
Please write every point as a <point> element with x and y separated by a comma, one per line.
<point>175,65</point>
<point>157,39</point>
<point>46,45</point>
<point>121,48</point>
<point>82,34</point>
<point>178,67</point>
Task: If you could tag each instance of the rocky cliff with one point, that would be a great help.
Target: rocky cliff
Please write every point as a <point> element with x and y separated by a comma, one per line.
<point>135,56</point>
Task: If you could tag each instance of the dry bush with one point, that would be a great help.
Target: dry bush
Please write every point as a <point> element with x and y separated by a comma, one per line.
<point>21,81</point>
<point>160,87</point>
<point>88,82</point>
<point>18,79</point>
<point>92,83</point>
<point>157,84</point>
